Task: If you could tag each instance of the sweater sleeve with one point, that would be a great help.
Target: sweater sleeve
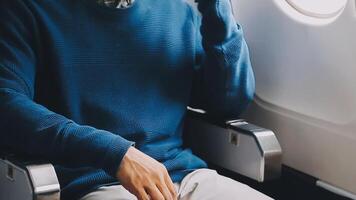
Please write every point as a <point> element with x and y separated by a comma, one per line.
<point>30,128</point>
<point>224,82</point>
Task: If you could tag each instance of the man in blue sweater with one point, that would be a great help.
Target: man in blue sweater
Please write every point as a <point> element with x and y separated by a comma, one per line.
<point>100,89</point>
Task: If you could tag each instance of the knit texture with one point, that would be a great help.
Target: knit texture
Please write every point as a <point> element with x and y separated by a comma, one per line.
<point>80,83</point>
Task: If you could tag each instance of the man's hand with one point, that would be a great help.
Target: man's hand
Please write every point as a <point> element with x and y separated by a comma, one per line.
<point>145,177</point>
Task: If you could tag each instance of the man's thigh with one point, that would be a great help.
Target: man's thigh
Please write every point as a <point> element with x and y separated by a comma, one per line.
<point>202,184</point>
<point>115,192</point>
<point>206,184</point>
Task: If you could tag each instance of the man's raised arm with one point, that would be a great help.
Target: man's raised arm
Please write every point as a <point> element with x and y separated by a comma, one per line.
<point>224,83</point>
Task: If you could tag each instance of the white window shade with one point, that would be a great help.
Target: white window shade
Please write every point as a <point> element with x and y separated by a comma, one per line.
<point>318,8</point>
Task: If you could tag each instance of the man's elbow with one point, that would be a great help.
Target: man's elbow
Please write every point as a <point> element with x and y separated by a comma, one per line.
<point>237,101</point>
<point>238,104</point>
<point>249,89</point>
<point>234,103</point>
<point>242,91</point>
<point>235,98</point>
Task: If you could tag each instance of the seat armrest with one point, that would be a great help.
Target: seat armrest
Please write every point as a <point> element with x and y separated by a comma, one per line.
<point>235,145</point>
<point>27,179</point>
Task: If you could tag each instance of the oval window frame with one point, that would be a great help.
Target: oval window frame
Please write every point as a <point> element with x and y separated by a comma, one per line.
<point>327,8</point>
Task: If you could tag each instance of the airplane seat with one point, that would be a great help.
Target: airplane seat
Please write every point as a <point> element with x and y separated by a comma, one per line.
<point>236,145</point>
<point>23,178</point>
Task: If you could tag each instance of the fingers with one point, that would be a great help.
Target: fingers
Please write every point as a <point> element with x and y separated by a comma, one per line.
<point>155,193</point>
<point>145,177</point>
<point>165,185</point>
<point>171,188</point>
<point>141,194</point>
<point>165,191</point>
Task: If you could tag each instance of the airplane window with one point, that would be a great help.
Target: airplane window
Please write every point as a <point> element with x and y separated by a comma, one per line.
<point>319,8</point>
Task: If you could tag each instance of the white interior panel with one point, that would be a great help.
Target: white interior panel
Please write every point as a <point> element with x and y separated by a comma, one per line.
<point>305,69</point>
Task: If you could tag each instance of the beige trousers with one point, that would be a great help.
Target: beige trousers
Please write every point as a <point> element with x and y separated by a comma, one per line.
<point>202,184</point>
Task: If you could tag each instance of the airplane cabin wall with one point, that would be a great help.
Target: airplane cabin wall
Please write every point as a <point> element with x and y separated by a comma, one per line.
<point>305,67</point>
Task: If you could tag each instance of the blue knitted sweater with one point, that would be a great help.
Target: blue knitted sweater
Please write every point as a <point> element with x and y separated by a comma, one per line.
<point>81,83</point>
